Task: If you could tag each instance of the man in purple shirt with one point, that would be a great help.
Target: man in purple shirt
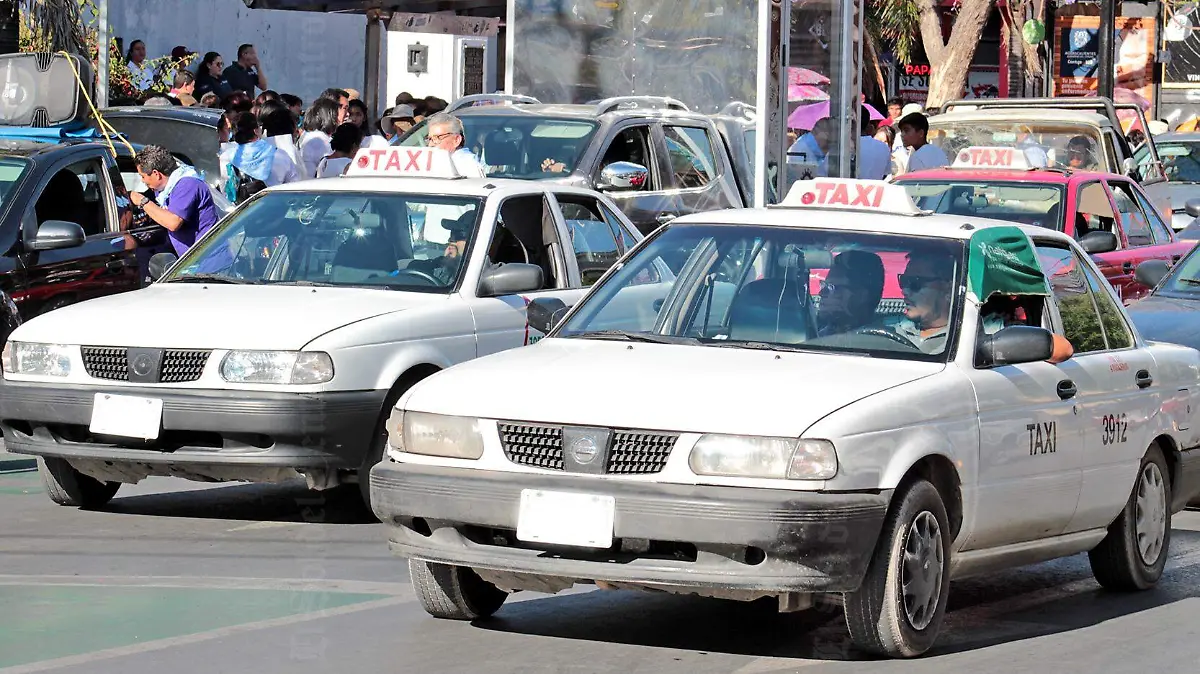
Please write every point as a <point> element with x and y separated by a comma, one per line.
<point>185,206</point>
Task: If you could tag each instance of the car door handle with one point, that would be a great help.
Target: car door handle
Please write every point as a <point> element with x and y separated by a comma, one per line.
<point>1143,378</point>
<point>664,218</point>
<point>116,265</point>
<point>1066,389</point>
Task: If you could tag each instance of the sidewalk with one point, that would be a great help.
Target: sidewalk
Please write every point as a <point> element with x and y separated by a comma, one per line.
<point>10,463</point>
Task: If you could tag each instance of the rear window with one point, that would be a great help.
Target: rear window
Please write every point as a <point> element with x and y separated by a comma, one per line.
<point>1024,203</point>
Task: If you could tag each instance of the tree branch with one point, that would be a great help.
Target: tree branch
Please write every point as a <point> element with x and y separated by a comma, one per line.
<point>931,30</point>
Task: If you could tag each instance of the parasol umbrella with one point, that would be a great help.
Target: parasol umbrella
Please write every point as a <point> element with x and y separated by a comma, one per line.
<point>805,116</point>
<point>797,75</point>
<point>806,92</point>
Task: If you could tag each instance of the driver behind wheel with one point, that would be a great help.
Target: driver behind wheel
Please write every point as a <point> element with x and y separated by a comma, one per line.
<point>851,293</point>
<point>925,284</point>
<point>445,267</point>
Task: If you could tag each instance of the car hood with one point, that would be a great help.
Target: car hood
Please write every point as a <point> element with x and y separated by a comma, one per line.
<point>660,387</point>
<point>201,316</point>
<point>1167,319</point>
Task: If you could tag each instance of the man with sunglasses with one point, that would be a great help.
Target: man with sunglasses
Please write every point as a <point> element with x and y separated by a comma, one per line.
<point>925,284</point>
<point>851,293</point>
<point>1079,154</point>
<point>445,132</point>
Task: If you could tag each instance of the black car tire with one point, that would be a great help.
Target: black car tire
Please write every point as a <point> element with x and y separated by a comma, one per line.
<point>877,616</point>
<point>1118,562</point>
<point>69,487</point>
<point>454,592</point>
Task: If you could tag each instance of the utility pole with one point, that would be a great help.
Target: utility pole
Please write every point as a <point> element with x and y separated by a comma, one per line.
<point>1106,66</point>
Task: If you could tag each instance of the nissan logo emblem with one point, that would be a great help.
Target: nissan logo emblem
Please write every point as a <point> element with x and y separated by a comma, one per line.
<point>584,450</point>
<point>142,365</point>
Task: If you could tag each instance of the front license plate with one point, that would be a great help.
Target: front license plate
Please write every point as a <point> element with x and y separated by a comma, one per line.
<point>126,416</point>
<point>559,518</point>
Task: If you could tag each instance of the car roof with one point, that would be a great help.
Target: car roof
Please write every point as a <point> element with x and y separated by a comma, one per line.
<point>1021,115</point>
<point>930,225</point>
<point>481,187</point>
<point>207,116</point>
<point>37,148</point>
<point>1189,136</point>
<point>568,111</point>
<point>1011,175</point>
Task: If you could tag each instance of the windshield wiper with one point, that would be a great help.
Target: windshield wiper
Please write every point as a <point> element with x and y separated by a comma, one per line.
<point>634,337</point>
<point>315,284</point>
<point>208,278</point>
<point>1190,281</point>
<point>759,346</point>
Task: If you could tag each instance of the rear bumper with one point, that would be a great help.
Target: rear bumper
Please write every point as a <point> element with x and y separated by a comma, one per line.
<point>698,536</point>
<point>199,427</point>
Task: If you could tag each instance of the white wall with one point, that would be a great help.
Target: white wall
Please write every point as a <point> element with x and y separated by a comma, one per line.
<point>443,77</point>
<point>302,53</point>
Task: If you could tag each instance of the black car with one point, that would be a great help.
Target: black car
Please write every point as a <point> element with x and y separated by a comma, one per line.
<point>189,133</point>
<point>654,157</point>
<point>1171,312</point>
<point>63,205</point>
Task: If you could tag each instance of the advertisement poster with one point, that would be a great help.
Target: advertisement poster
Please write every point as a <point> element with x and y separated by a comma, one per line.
<point>1077,47</point>
<point>1182,37</point>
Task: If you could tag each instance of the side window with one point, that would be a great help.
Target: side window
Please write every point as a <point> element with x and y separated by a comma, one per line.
<point>1093,211</point>
<point>1081,321</point>
<point>693,162</point>
<point>1133,220</point>
<point>1162,233</point>
<point>596,248</point>
<point>75,194</point>
<point>625,240</point>
<point>526,233</point>
<point>632,145</point>
<point>1116,330</point>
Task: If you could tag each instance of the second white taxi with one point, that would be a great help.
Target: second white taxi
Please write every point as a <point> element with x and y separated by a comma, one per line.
<point>859,399</point>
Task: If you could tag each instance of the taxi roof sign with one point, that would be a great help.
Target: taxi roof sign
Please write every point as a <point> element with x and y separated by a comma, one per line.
<point>991,157</point>
<point>848,194</point>
<point>403,162</point>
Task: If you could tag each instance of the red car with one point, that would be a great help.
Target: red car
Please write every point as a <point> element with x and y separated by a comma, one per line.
<point>1108,214</point>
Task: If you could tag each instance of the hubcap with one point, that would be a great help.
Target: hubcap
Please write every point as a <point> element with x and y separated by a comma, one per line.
<point>1150,521</point>
<point>921,570</point>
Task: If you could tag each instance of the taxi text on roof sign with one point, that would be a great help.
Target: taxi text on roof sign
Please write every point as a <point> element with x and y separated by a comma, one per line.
<point>847,194</point>
<point>405,162</point>
<point>991,157</point>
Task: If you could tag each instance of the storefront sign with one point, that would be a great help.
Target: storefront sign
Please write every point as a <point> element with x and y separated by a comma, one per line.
<point>1077,47</point>
<point>1183,42</point>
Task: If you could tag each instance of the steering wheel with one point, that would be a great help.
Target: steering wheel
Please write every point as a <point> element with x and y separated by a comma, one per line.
<point>886,334</point>
<point>421,275</point>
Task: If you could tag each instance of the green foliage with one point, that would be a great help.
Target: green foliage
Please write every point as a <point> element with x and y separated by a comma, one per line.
<point>894,24</point>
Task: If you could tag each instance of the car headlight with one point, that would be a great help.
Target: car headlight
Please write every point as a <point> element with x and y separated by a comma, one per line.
<point>748,456</point>
<point>440,435</point>
<point>51,360</point>
<point>277,367</point>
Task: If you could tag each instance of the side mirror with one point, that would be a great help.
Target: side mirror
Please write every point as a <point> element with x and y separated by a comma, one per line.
<point>508,279</point>
<point>1099,241</point>
<point>160,263</point>
<point>621,176</point>
<point>1192,208</point>
<point>1151,272</point>
<point>58,234</point>
<point>544,313</point>
<point>1015,345</point>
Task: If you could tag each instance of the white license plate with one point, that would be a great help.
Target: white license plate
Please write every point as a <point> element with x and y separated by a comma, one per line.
<point>126,416</point>
<point>559,518</point>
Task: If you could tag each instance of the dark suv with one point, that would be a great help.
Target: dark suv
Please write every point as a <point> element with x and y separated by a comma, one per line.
<point>653,156</point>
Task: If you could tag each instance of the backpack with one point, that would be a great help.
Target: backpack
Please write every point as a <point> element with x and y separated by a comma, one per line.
<point>241,186</point>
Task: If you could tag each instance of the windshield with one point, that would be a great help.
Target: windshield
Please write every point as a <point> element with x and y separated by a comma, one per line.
<point>1044,144</point>
<point>1181,160</point>
<point>1025,203</point>
<point>1184,278</point>
<point>11,170</point>
<point>519,146</point>
<point>787,289</point>
<point>396,241</point>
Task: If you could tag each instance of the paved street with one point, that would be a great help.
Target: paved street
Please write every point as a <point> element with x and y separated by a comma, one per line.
<point>182,577</point>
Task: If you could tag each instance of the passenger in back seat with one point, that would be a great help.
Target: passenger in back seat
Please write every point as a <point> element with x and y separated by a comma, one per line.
<point>851,293</point>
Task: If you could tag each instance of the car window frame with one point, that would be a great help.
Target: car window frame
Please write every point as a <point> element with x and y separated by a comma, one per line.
<point>618,248</point>
<point>1058,320</point>
<point>29,231</point>
<point>1117,229</point>
<point>1113,184</point>
<point>718,173</point>
<point>654,145</point>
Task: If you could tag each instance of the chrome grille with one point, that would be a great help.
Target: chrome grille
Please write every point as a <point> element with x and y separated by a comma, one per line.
<point>106,363</point>
<point>631,452</point>
<point>537,446</point>
<point>183,365</point>
<point>636,453</point>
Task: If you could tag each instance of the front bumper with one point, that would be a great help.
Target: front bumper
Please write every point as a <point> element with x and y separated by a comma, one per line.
<point>699,536</point>
<point>199,427</point>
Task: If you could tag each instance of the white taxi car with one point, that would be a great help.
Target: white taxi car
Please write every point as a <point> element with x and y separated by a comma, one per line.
<point>858,398</point>
<point>277,346</point>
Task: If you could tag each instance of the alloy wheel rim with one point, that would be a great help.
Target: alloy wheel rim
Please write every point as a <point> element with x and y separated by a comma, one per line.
<point>1150,514</point>
<point>921,570</point>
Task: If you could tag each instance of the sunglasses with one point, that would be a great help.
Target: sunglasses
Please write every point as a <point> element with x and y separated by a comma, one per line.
<point>915,282</point>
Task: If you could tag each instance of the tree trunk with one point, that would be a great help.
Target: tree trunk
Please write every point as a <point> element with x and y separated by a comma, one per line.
<point>10,27</point>
<point>950,60</point>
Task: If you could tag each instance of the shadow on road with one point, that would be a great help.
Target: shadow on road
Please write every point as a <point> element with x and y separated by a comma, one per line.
<point>252,502</point>
<point>1012,606</point>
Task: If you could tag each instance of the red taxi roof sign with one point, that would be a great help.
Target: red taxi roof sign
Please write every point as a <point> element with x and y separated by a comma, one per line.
<point>847,194</point>
<point>991,158</point>
<point>403,162</point>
